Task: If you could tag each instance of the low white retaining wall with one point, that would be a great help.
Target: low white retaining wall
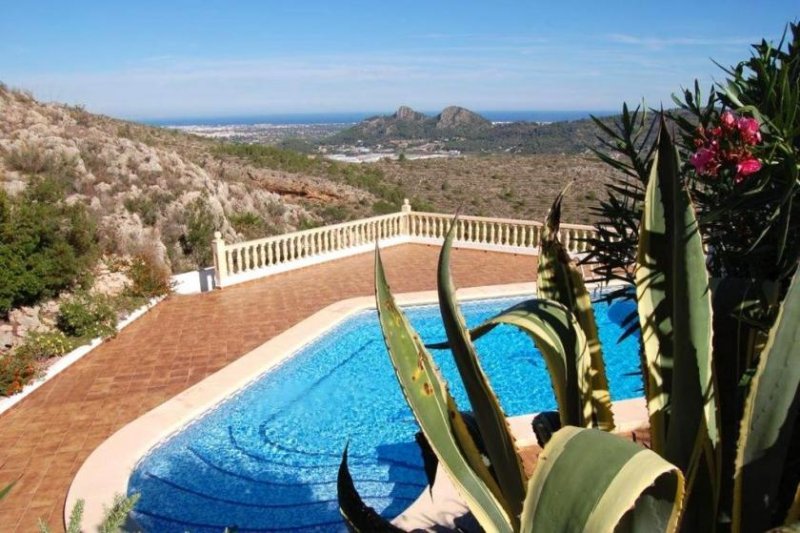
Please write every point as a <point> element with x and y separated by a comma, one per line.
<point>246,261</point>
<point>68,359</point>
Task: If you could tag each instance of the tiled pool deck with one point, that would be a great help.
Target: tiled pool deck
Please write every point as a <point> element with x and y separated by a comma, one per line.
<point>47,436</point>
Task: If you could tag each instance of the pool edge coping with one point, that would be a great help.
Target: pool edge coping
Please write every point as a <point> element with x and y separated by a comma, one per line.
<point>106,471</point>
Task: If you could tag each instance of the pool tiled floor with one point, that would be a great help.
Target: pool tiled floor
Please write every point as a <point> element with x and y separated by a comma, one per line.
<point>47,436</point>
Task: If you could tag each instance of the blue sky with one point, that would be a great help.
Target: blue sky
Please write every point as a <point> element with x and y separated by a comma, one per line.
<point>147,59</point>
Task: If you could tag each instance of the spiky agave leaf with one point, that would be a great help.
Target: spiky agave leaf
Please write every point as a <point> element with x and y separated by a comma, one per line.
<point>793,515</point>
<point>357,515</point>
<point>558,279</point>
<point>674,304</point>
<point>743,313</point>
<point>629,488</point>
<point>556,333</point>
<point>494,429</point>
<point>437,413</point>
<point>768,420</point>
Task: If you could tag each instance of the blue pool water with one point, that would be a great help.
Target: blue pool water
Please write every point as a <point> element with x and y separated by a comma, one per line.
<point>266,458</point>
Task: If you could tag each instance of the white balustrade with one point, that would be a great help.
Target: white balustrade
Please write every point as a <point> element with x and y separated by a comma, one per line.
<point>235,262</point>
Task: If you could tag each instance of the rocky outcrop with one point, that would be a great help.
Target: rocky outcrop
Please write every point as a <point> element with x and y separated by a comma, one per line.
<point>407,124</point>
<point>25,320</point>
<point>454,117</point>
<point>407,114</point>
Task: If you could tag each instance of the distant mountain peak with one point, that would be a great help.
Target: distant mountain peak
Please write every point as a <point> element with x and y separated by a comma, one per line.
<point>407,124</point>
<point>406,113</point>
<point>457,117</point>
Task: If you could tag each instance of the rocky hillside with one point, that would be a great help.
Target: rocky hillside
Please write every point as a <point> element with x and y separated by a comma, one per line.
<point>149,188</point>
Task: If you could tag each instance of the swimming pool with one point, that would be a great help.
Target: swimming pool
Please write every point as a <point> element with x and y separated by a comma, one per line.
<point>266,458</point>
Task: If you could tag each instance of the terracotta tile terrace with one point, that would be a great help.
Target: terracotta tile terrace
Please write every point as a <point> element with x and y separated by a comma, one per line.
<point>46,437</point>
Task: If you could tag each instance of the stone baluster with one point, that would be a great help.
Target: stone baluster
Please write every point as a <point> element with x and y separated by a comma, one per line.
<point>261,259</point>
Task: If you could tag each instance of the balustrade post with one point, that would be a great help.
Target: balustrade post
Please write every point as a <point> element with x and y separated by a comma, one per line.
<point>220,262</point>
<point>405,215</point>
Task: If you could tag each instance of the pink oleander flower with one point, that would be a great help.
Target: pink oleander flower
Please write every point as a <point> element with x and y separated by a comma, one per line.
<point>726,148</point>
<point>702,159</point>
<point>749,130</point>
<point>746,168</point>
<point>727,119</point>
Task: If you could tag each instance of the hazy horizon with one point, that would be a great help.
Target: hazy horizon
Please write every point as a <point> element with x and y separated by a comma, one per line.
<point>507,115</point>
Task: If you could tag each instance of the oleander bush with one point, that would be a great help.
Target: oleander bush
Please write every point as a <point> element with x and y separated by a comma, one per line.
<point>740,147</point>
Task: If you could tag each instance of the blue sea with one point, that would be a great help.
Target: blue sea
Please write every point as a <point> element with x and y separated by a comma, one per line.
<point>358,116</point>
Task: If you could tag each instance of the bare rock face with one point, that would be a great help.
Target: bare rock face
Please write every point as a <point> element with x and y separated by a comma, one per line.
<point>406,113</point>
<point>26,318</point>
<point>7,337</point>
<point>457,117</point>
<point>108,282</point>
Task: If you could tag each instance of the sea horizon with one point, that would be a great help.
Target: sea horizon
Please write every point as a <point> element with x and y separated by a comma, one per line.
<point>357,116</point>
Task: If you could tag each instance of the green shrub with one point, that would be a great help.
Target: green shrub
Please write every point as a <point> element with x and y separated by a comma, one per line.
<point>87,316</point>
<point>307,223</point>
<point>46,246</point>
<point>269,157</point>
<point>39,346</point>
<point>149,207</point>
<point>201,224</point>
<point>382,207</point>
<point>16,370</point>
<point>421,205</point>
<point>150,276</point>
<point>332,214</point>
<point>249,224</point>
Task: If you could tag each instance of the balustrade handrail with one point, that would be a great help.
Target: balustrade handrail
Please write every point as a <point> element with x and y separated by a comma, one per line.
<point>496,220</point>
<point>292,250</point>
<point>312,231</point>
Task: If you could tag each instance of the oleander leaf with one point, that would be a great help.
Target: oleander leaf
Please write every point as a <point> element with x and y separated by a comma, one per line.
<point>436,412</point>
<point>558,279</point>
<point>491,420</point>
<point>768,420</point>
<point>622,486</point>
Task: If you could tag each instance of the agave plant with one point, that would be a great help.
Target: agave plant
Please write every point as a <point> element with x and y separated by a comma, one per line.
<point>679,483</point>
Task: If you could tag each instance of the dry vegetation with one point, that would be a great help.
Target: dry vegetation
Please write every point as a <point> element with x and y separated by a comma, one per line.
<point>507,186</point>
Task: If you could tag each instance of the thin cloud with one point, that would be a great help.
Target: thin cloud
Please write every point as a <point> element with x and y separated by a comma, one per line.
<point>660,43</point>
